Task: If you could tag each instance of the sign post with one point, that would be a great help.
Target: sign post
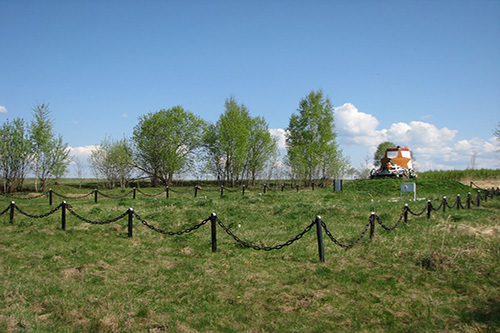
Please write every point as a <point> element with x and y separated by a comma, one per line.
<point>409,187</point>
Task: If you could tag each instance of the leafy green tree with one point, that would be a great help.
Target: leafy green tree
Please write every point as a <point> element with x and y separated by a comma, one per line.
<point>227,142</point>
<point>261,147</point>
<point>15,154</point>
<point>312,151</point>
<point>380,152</point>
<point>165,141</point>
<point>112,160</point>
<point>50,154</point>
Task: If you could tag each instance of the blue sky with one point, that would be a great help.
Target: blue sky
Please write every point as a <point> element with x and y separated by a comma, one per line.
<point>424,74</point>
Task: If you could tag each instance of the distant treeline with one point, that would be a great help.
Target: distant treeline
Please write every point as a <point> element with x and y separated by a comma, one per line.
<point>460,174</point>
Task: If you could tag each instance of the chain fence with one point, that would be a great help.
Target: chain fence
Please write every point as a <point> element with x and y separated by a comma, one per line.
<point>321,226</point>
<point>37,216</point>
<point>170,233</point>
<point>265,248</point>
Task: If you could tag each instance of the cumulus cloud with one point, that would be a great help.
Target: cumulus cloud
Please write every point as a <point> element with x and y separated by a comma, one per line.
<point>3,109</point>
<point>420,133</point>
<point>279,133</point>
<point>357,127</point>
<point>433,147</point>
<point>82,152</point>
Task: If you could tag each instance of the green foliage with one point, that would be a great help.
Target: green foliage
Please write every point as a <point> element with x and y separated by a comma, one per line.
<point>262,147</point>
<point>238,146</point>
<point>50,153</point>
<point>165,141</point>
<point>312,150</point>
<point>15,154</point>
<point>380,152</point>
<point>112,160</point>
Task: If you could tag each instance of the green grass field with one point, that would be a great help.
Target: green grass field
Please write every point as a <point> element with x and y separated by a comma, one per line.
<point>440,273</point>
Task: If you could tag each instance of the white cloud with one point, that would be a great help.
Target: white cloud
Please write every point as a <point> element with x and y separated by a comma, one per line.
<point>3,109</point>
<point>357,127</point>
<point>124,115</point>
<point>82,152</point>
<point>420,134</point>
<point>279,133</point>
<point>433,147</point>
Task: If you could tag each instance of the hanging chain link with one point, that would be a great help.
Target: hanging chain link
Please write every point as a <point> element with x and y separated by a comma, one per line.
<point>150,195</point>
<point>70,209</point>
<point>72,197</point>
<point>5,211</point>
<point>265,248</point>
<point>419,213</point>
<point>394,226</point>
<point>37,216</point>
<point>347,246</point>
<point>170,233</point>
<point>117,197</point>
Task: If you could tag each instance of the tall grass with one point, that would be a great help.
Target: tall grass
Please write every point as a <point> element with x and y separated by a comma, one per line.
<point>459,175</point>
<point>436,274</point>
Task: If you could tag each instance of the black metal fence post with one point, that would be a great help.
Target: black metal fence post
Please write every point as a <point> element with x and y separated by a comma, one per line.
<point>282,187</point>
<point>243,190</point>
<point>444,204</point>
<point>12,208</point>
<point>130,221</point>
<point>95,195</point>
<point>478,198</point>
<point>195,191</point>
<point>486,195</point>
<point>372,225</point>
<point>50,196</point>
<point>134,193</point>
<point>63,215</point>
<point>213,220</point>
<point>167,194</point>
<point>319,233</point>
<point>469,199</point>
<point>429,209</point>
<point>313,186</point>
<point>458,202</point>
<point>221,190</point>
<point>297,187</point>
